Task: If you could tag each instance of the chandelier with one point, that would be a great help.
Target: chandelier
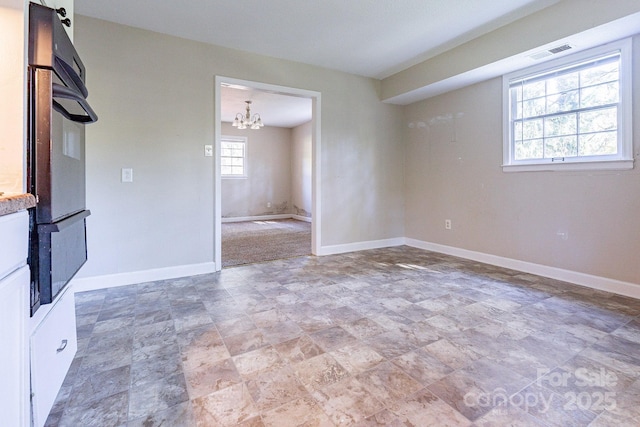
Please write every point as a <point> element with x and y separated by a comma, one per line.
<point>246,121</point>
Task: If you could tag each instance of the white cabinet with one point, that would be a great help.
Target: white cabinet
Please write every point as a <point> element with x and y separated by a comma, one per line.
<point>14,377</point>
<point>14,313</point>
<point>53,346</point>
<point>14,231</point>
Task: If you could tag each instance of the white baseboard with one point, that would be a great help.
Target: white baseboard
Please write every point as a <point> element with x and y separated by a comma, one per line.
<point>360,246</point>
<point>266,218</point>
<point>121,279</point>
<point>595,282</point>
<point>256,218</point>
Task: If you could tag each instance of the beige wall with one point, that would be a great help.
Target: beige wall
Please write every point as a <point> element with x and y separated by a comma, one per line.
<point>155,98</point>
<point>379,179</point>
<point>268,174</point>
<point>301,157</point>
<point>453,171</point>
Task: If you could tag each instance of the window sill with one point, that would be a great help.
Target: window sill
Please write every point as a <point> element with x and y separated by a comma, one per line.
<point>234,177</point>
<point>571,166</point>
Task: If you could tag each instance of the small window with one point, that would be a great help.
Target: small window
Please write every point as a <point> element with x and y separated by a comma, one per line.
<point>572,113</point>
<point>233,157</point>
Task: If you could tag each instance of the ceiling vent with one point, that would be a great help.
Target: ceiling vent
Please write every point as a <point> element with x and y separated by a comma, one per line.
<point>559,49</point>
<point>553,51</point>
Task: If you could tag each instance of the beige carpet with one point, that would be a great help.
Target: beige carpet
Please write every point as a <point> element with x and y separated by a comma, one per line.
<point>255,241</point>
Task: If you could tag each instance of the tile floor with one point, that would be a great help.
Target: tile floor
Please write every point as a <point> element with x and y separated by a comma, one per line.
<point>389,337</point>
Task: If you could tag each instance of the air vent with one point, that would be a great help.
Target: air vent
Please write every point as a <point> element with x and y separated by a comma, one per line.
<point>553,51</point>
<point>560,49</point>
<point>540,55</point>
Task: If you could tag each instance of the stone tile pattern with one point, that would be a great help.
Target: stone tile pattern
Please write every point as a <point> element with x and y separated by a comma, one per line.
<point>388,337</point>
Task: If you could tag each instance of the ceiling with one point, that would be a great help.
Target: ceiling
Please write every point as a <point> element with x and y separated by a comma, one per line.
<point>275,109</point>
<point>373,38</point>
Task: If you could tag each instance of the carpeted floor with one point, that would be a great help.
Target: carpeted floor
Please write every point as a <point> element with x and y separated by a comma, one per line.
<point>255,241</point>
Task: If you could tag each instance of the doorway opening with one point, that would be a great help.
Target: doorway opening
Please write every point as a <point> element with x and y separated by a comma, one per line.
<point>247,203</point>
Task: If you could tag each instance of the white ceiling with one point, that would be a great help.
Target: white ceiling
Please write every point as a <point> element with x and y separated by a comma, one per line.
<point>373,38</point>
<point>274,109</point>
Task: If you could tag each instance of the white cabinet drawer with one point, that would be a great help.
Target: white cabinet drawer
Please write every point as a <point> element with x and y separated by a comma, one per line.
<point>14,230</point>
<point>53,346</point>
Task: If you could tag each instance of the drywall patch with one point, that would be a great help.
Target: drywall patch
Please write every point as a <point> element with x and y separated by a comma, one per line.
<point>443,126</point>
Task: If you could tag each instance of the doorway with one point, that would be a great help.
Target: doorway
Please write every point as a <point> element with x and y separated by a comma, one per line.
<point>274,90</point>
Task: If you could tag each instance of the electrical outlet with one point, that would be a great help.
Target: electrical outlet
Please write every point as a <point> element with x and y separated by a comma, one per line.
<point>268,204</point>
<point>447,224</point>
<point>208,150</point>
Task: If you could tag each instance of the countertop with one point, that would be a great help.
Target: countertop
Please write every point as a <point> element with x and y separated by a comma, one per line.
<point>11,203</point>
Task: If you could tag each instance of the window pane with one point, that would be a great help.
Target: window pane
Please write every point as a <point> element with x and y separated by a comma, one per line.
<point>526,150</point>
<point>533,107</point>
<point>517,131</point>
<point>563,83</point>
<point>560,125</point>
<point>232,158</point>
<point>599,74</point>
<point>519,110</point>
<point>516,92</point>
<point>533,90</point>
<point>599,144</point>
<point>599,95</point>
<point>564,146</point>
<point>599,120</point>
<point>532,129</point>
<point>560,102</point>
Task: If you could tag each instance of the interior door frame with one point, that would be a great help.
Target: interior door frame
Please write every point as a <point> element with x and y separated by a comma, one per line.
<point>315,161</point>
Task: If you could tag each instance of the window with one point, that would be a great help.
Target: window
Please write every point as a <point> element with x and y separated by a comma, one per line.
<point>233,157</point>
<point>572,113</point>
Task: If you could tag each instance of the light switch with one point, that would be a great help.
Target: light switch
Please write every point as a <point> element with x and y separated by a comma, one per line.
<point>127,175</point>
<point>208,150</point>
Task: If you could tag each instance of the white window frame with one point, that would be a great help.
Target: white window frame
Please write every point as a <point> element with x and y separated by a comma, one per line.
<point>242,139</point>
<point>622,160</point>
